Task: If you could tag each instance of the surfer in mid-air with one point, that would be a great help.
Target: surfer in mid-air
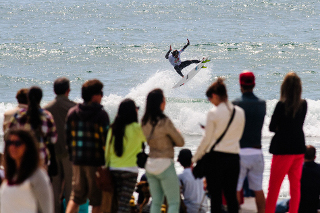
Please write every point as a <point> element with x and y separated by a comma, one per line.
<point>174,59</point>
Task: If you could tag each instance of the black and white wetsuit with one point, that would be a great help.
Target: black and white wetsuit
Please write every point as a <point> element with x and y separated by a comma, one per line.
<point>177,63</point>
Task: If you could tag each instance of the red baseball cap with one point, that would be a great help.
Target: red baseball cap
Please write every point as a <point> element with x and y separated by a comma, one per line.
<point>246,78</point>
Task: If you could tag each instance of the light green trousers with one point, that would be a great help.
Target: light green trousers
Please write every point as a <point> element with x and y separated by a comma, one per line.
<point>164,184</point>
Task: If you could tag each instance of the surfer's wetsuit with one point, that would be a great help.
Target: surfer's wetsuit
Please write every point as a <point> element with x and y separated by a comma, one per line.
<point>184,64</point>
<point>176,62</point>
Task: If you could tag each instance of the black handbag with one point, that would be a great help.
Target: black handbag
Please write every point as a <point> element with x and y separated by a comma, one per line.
<point>199,171</point>
<point>142,157</point>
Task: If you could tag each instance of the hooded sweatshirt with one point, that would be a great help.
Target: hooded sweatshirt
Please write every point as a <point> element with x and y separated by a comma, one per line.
<point>86,129</point>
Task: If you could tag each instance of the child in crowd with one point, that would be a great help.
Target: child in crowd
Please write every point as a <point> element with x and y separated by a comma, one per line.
<point>310,182</point>
<point>192,189</point>
<point>142,188</point>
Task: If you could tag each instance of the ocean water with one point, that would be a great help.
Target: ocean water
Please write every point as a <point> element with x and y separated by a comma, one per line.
<point>123,44</point>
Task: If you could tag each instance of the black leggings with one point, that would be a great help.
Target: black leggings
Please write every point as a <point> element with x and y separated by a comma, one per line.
<point>222,176</point>
<point>184,64</point>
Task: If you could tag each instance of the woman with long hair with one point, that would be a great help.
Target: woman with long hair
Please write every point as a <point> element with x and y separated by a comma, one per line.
<point>288,143</point>
<point>39,121</point>
<point>222,163</point>
<point>26,187</point>
<point>162,137</point>
<point>124,142</point>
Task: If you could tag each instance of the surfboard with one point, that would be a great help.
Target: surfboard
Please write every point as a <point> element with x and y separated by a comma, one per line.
<point>191,74</point>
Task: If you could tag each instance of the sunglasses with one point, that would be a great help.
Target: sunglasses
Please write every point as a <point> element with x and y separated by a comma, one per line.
<point>14,143</point>
<point>137,108</point>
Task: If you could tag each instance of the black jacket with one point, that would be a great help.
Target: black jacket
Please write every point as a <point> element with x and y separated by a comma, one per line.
<point>289,136</point>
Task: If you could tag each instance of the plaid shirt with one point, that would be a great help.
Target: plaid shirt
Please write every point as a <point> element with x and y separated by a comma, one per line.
<point>48,128</point>
<point>86,129</point>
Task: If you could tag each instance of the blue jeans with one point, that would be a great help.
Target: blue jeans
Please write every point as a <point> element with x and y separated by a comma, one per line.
<point>164,184</point>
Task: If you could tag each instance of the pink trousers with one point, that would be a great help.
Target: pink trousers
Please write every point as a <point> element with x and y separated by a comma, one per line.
<point>280,166</point>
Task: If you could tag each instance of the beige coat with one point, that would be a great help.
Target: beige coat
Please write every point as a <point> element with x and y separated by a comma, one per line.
<point>164,137</point>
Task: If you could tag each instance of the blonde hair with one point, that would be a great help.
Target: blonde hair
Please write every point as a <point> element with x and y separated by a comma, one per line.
<point>291,90</point>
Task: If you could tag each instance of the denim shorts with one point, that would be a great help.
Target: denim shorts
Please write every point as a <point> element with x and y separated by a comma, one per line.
<point>251,166</point>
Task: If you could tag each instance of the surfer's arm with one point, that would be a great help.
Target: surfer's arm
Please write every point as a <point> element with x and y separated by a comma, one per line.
<point>167,55</point>
<point>185,46</point>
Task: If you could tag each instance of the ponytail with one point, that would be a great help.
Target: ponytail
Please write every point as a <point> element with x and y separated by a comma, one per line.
<point>33,112</point>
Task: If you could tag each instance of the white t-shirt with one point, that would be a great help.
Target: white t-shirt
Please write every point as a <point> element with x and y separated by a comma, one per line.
<point>175,61</point>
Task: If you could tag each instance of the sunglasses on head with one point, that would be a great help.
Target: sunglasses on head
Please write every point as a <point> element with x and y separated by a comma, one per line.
<point>14,143</point>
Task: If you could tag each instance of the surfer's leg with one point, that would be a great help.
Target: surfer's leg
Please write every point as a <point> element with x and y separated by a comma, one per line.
<point>195,61</point>
<point>188,62</point>
<point>185,64</point>
<point>178,69</point>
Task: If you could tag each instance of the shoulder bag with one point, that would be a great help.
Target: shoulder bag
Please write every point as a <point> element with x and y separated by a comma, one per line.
<point>103,175</point>
<point>104,182</point>
<point>201,166</point>
<point>142,157</point>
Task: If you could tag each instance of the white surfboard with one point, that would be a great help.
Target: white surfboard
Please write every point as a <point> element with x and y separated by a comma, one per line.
<point>190,75</point>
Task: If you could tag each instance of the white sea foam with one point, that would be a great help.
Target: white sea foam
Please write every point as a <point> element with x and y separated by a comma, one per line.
<point>187,113</point>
